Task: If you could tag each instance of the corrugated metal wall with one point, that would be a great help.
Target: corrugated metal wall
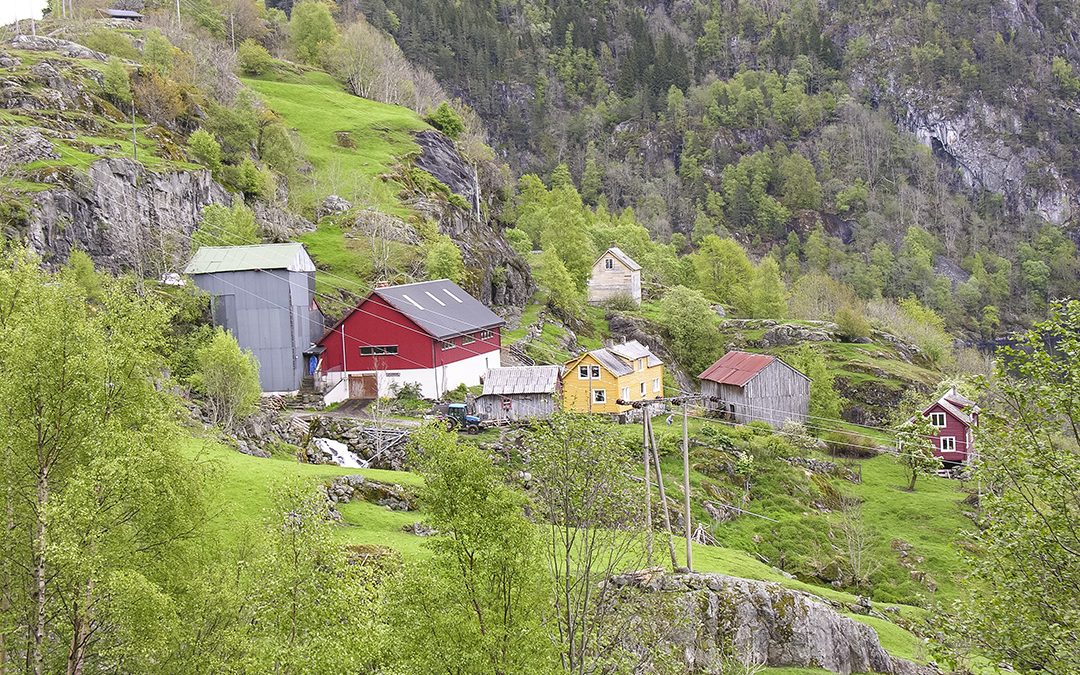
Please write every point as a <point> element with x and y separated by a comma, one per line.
<point>270,313</point>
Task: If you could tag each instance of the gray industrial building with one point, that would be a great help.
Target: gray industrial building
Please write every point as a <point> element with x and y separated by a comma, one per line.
<point>265,296</point>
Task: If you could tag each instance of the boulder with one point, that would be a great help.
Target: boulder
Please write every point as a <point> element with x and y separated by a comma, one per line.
<point>332,206</point>
<point>793,334</point>
<point>40,43</point>
<point>758,622</point>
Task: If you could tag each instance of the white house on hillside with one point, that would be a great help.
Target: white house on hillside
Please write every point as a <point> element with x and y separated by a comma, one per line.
<point>614,274</point>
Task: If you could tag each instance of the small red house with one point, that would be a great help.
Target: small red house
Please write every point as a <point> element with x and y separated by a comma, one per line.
<point>430,333</point>
<point>953,416</point>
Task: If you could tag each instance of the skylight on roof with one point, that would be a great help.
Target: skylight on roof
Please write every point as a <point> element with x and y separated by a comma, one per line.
<point>415,303</point>
<point>447,291</point>
<point>441,303</point>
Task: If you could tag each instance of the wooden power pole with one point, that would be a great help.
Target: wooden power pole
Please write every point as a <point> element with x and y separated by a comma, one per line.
<point>648,484</point>
<point>686,486</point>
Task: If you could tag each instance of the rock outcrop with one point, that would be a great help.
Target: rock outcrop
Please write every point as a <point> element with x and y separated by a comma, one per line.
<point>721,618</point>
<point>123,215</point>
<point>499,276</point>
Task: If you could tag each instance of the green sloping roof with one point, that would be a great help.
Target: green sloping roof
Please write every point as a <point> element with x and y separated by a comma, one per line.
<point>210,259</point>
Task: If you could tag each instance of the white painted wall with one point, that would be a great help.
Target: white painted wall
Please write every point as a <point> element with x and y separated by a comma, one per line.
<point>433,381</point>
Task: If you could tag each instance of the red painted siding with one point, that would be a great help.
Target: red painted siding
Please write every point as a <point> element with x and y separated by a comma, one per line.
<point>376,323</point>
<point>953,427</point>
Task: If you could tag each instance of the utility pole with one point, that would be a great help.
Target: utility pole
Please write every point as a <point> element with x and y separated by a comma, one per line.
<point>686,486</point>
<point>663,497</point>
<point>232,29</point>
<point>178,14</point>
<point>648,484</point>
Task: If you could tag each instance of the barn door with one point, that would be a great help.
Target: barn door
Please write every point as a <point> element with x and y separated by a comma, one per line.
<point>363,387</point>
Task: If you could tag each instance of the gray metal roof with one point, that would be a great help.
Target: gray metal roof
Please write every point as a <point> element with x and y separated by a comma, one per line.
<point>210,259</point>
<point>521,380</point>
<point>121,13</point>
<point>613,363</point>
<point>621,256</point>
<point>615,358</point>
<point>440,307</point>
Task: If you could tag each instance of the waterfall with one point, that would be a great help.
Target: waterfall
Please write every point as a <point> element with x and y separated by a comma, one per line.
<point>340,453</point>
<point>476,193</point>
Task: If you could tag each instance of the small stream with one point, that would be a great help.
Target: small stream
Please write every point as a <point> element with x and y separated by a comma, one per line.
<point>340,453</point>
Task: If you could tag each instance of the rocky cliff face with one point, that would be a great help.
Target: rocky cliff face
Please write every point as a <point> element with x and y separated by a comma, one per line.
<point>722,618</point>
<point>124,216</point>
<point>499,276</point>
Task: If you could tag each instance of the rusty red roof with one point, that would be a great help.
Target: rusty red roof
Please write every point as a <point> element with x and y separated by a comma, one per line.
<point>736,368</point>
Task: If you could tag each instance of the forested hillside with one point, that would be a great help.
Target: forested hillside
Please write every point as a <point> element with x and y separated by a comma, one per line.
<point>953,121</point>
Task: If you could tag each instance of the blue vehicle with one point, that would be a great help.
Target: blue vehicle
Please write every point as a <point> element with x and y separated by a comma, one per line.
<point>458,417</point>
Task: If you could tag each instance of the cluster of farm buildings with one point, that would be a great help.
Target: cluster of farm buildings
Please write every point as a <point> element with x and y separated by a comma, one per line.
<point>434,337</point>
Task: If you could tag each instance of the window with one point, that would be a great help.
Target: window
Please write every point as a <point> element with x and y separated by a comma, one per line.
<point>467,340</point>
<point>640,365</point>
<point>448,344</point>
<point>378,350</point>
<point>595,372</point>
<point>642,390</point>
<point>948,444</point>
<point>609,264</point>
<point>656,384</point>
<point>599,396</point>
<point>937,420</point>
<point>583,372</point>
<point>625,393</point>
<point>485,335</point>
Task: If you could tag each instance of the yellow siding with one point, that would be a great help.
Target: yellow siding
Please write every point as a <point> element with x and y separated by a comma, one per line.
<point>576,391</point>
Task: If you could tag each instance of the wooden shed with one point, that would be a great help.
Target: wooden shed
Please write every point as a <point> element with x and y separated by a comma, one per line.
<point>756,387</point>
<point>526,392</point>
<point>614,275</point>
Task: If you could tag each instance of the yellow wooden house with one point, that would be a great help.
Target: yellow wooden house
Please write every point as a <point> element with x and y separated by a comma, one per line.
<point>594,381</point>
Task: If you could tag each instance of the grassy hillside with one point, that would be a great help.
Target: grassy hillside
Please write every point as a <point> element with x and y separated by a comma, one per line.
<point>329,120</point>
<point>244,483</point>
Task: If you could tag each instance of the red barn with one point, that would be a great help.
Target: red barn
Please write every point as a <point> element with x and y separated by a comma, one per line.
<point>430,333</point>
<point>953,417</point>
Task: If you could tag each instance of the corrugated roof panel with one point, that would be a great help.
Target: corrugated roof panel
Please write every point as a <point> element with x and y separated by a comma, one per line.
<point>210,259</point>
<point>521,380</point>
<point>736,368</point>
<point>461,314</point>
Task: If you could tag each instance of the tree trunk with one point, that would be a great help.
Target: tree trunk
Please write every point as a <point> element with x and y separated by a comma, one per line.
<point>37,656</point>
<point>911,483</point>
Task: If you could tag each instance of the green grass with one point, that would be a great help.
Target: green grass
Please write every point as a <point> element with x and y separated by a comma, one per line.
<point>317,107</point>
<point>242,487</point>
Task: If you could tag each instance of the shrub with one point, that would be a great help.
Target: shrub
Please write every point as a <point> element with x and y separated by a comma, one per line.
<point>225,226</point>
<point>253,57</point>
<point>519,241</point>
<point>159,99</point>
<point>116,83</point>
<point>622,302</point>
<point>849,444</point>
<point>111,42</point>
<point>205,149</point>
<point>229,379</point>
<point>158,52</point>
<point>851,323</point>
<point>447,120</point>
<point>444,261</point>
<point>249,179</point>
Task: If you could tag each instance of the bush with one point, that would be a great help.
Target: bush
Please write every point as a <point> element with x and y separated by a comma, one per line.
<point>622,302</point>
<point>225,226</point>
<point>443,261</point>
<point>249,179</point>
<point>116,83</point>
<point>519,241</point>
<point>229,379</point>
<point>111,42</point>
<point>849,444</point>
<point>253,57</point>
<point>447,120</point>
<point>159,99</point>
<point>851,323</point>
<point>205,149</point>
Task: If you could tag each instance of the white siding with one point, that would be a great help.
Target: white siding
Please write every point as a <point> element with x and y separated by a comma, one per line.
<point>433,381</point>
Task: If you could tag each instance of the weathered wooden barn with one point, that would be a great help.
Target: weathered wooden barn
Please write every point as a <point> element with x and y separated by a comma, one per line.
<point>756,387</point>
<point>526,392</point>
<point>614,275</point>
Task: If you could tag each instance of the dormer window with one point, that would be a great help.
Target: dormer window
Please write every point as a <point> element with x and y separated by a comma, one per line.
<point>609,264</point>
